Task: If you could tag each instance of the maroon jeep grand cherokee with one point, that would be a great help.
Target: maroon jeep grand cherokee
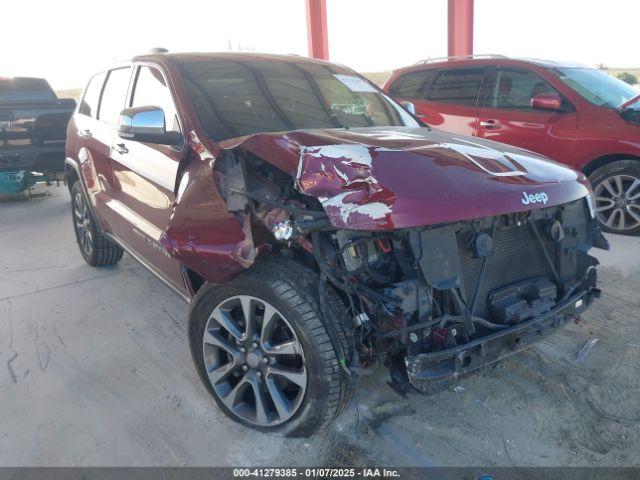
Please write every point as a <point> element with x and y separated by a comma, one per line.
<point>316,228</point>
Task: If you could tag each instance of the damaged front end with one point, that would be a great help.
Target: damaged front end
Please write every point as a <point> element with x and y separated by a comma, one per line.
<point>441,302</point>
<point>432,300</point>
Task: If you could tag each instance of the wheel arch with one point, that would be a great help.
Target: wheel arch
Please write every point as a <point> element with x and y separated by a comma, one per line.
<point>71,175</point>
<point>193,280</point>
<point>71,172</point>
<point>603,160</point>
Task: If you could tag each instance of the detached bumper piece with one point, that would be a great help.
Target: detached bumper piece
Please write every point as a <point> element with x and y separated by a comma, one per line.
<point>434,372</point>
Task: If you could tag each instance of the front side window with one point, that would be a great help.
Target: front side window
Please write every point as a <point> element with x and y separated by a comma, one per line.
<point>243,97</point>
<point>458,85</point>
<point>91,97</point>
<point>412,85</point>
<point>513,88</point>
<point>114,95</point>
<point>596,86</point>
<point>151,90</point>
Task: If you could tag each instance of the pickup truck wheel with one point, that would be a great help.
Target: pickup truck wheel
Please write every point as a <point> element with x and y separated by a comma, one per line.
<point>96,249</point>
<point>616,188</point>
<point>263,352</point>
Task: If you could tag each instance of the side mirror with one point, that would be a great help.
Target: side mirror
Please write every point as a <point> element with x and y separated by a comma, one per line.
<point>409,107</point>
<point>146,124</point>
<point>546,101</point>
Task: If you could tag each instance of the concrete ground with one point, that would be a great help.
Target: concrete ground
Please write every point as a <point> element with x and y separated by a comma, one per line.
<point>95,370</point>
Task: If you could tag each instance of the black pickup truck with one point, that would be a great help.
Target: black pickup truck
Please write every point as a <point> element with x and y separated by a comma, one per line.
<point>33,124</point>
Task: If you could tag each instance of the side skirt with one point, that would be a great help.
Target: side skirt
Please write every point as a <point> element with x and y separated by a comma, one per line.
<point>146,264</point>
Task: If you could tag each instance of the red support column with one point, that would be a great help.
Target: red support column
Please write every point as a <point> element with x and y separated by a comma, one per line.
<point>460,27</point>
<point>317,33</point>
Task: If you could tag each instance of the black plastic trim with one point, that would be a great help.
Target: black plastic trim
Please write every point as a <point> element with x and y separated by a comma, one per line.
<point>431,372</point>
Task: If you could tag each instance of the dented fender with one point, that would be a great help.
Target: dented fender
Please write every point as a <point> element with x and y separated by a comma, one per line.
<point>202,234</point>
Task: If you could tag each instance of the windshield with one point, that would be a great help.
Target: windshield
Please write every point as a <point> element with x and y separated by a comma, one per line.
<point>597,86</point>
<point>242,97</point>
<point>25,89</point>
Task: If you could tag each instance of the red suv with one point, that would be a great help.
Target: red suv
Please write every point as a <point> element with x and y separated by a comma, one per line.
<point>582,117</point>
<point>316,227</point>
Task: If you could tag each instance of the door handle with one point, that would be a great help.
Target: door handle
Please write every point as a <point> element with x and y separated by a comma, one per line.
<point>490,124</point>
<point>421,115</point>
<point>122,148</point>
<point>85,133</point>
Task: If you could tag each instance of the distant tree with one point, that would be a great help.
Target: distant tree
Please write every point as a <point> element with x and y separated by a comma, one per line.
<point>601,66</point>
<point>628,77</point>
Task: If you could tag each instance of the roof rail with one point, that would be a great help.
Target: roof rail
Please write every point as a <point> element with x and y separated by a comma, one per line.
<point>461,57</point>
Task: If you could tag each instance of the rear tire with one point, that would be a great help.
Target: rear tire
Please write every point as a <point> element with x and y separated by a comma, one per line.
<point>616,188</point>
<point>235,358</point>
<point>96,249</point>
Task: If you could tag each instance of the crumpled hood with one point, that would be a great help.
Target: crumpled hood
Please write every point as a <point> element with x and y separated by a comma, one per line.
<point>399,177</point>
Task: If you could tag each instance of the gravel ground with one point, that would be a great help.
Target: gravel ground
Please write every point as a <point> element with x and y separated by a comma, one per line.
<point>95,370</point>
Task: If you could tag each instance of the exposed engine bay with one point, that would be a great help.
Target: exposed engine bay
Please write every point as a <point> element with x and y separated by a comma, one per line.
<point>431,302</point>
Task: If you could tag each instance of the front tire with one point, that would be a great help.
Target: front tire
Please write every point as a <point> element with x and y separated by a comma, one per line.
<point>616,188</point>
<point>96,249</point>
<point>263,351</point>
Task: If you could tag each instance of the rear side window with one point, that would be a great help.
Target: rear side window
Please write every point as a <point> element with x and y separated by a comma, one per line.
<point>412,85</point>
<point>458,85</point>
<point>151,90</point>
<point>25,89</point>
<point>114,95</point>
<point>91,98</point>
<point>513,88</point>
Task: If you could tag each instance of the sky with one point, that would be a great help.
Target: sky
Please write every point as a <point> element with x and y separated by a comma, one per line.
<point>66,41</point>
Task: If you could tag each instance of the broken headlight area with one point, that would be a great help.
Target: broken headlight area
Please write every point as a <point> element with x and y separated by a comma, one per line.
<point>438,302</point>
